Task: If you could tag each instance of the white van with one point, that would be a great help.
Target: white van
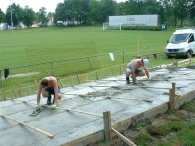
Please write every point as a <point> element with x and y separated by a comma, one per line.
<point>181,43</point>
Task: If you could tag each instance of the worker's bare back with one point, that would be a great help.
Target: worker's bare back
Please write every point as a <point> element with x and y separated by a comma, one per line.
<point>52,81</point>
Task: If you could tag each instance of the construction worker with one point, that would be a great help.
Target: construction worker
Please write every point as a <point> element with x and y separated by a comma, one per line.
<point>133,69</point>
<point>49,86</point>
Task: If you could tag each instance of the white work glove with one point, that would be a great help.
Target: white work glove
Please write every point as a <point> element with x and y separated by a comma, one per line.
<point>53,106</point>
<point>38,106</point>
<point>136,82</point>
<point>150,79</point>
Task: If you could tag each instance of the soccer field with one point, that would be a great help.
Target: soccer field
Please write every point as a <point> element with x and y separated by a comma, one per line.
<point>14,44</point>
<point>19,48</point>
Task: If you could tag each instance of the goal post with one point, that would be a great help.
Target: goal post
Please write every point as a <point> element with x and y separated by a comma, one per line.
<point>106,26</point>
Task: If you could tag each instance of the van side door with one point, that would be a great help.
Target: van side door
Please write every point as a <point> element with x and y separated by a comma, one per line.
<point>191,42</point>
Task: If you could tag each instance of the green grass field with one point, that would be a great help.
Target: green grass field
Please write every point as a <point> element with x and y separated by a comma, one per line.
<point>39,45</point>
<point>13,44</point>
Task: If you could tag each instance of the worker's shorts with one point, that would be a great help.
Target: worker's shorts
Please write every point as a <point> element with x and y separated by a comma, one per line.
<point>137,71</point>
<point>51,91</point>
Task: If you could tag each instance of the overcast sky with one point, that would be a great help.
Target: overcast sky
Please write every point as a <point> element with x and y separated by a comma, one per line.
<point>50,5</point>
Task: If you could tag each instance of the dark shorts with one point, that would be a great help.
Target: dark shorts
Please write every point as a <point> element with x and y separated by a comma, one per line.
<point>51,90</point>
<point>137,71</point>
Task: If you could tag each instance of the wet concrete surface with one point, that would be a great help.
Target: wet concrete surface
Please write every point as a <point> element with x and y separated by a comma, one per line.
<point>94,97</point>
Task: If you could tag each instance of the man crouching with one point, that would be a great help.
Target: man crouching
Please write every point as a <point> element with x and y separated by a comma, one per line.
<point>49,86</point>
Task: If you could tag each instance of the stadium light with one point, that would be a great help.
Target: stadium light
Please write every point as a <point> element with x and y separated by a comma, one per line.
<point>11,16</point>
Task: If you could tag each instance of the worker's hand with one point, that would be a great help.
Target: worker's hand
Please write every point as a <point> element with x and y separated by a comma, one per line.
<point>53,106</point>
<point>150,79</point>
<point>38,106</point>
<point>136,82</point>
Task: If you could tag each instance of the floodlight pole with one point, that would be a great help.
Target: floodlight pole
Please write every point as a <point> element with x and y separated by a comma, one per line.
<point>11,15</point>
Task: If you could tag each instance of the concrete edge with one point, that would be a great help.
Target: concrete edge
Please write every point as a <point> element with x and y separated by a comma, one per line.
<point>126,123</point>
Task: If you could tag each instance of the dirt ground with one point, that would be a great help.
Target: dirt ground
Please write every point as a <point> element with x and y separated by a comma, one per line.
<point>147,129</point>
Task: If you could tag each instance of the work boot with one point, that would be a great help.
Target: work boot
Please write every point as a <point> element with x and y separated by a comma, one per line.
<point>49,100</point>
<point>127,80</point>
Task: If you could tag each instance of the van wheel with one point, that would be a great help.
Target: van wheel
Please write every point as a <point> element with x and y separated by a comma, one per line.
<point>188,54</point>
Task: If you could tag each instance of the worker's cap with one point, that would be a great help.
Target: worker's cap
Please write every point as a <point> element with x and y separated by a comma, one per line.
<point>146,62</point>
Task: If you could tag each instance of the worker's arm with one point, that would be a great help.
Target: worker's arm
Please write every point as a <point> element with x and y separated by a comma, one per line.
<point>39,94</point>
<point>147,72</point>
<point>133,73</point>
<point>55,91</point>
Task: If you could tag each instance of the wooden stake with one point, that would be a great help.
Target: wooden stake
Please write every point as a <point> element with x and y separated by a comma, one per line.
<point>86,78</point>
<point>171,99</point>
<point>4,95</point>
<point>15,95</point>
<point>105,74</point>
<point>121,70</point>
<point>35,81</point>
<point>19,89</point>
<point>28,89</point>
<point>97,76</point>
<point>61,83</point>
<point>107,125</point>
<point>190,61</point>
<point>72,81</point>
<point>123,138</point>
<point>112,70</point>
<point>78,79</point>
<point>24,124</point>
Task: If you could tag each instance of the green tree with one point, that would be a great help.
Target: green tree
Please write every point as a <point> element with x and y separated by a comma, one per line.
<point>81,9</point>
<point>60,13</point>
<point>28,16</point>
<point>42,16</point>
<point>14,13</point>
<point>2,16</point>
<point>107,8</point>
<point>94,15</point>
<point>135,7</point>
<point>50,14</point>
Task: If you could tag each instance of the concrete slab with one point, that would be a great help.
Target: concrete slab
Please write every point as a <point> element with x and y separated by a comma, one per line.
<point>68,126</point>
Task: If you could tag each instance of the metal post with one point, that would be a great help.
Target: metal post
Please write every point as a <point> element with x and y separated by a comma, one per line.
<point>1,79</point>
<point>11,16</point>
<point>89,62</point>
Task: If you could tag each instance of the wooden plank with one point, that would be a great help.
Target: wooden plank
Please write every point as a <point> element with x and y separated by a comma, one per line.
<point>63,109</point>
<point>29,126</point>
<point>123,138</point>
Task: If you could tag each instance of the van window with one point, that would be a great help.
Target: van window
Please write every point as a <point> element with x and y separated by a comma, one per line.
<point>191,38</point>
<point>177,38</point>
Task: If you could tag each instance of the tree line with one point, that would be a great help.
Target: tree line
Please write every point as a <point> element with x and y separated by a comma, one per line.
<point>88,12</point>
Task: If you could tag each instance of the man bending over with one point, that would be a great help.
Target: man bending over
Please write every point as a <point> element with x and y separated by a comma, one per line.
<point>49,86</point>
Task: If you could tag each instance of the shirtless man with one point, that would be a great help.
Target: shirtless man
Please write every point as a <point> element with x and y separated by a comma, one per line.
<point>49,86</point>
<point>133,68</point>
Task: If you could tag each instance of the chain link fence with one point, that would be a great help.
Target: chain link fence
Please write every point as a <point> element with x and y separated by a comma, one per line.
<point>23,80</point>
